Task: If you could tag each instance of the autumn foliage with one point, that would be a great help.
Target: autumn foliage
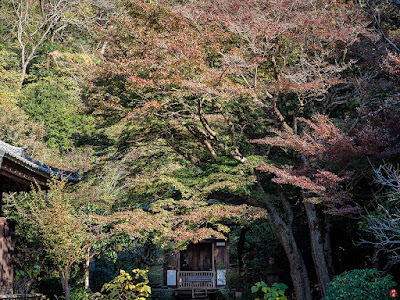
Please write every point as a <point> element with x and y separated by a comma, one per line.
<point>320,146</point>
<point>174,224</point>
<point>190,118</point>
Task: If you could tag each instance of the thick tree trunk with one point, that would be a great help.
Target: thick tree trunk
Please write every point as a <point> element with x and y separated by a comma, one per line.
<point>298,271</point>
<point>317,246</point>
<point>284,232</point>
<point>64,283</point>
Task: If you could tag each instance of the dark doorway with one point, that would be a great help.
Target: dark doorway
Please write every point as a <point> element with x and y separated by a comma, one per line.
<point>197,257</point>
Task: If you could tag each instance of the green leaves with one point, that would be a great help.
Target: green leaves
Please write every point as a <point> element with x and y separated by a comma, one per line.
<point>66,235</point>
<point>30,273</point>
<point>360,284</point>
<point>276,292</point>
<point>56,105</point>
<point>128,286</point>
<point>254,289</point>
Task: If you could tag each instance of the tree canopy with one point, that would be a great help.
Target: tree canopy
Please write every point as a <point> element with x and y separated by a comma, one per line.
<point>197,119</point>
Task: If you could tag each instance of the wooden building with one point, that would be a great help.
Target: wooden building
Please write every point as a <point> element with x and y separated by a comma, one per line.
<point>19,172</point>
<point>202,266</point>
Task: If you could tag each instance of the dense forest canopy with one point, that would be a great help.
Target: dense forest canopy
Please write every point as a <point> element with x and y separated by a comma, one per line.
<point>272,123</point>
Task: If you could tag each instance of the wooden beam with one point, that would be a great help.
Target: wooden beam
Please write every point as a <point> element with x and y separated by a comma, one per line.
<point>22,177</point>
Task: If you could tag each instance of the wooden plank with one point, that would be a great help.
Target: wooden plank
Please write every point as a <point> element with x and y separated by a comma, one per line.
<point>199,279</point>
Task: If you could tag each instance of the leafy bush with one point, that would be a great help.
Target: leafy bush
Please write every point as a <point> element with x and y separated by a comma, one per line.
<point>360,284</point>
<point>128,287</point>
<point>276,292</point>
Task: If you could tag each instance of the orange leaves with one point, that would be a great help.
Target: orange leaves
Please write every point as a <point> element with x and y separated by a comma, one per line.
<point>392,63</point>
<point>225,50</point>
<point>139,82</point>
<point>176,225</point>
<point>148,106</point>
<point>320,140</point>
<point>285,175</point>
<point>151,104</point>
<point>320,146</point>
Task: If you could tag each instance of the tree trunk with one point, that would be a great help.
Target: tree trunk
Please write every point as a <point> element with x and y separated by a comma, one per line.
<point>87,268</point>
<point>284,232</point>
<point>298,271</point>
<point>23,74</point>
<point>64,283</point>
<point>317,246</point>
<point>103,48</point>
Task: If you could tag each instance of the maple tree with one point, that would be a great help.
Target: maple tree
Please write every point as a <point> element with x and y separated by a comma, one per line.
<point>213,104</point>
<point>320,145</point>
<point>207,77</point>
<point>328,158</point>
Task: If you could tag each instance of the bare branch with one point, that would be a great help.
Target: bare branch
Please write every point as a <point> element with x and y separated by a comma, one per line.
<point>385,227</point>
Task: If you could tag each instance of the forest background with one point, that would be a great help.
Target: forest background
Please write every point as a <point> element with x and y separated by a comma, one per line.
<point>272,123</point>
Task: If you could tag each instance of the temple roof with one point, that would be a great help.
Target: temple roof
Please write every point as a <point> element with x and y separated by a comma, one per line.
<point>15,164</point>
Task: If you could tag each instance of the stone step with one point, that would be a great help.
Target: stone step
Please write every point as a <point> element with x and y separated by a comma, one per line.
<point>200,295</point>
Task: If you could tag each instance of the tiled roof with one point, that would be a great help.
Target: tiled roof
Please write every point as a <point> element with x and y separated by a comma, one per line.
<point>17,154</point>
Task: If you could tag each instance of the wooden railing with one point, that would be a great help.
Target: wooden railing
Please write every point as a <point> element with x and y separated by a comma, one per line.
<point>196,279</point>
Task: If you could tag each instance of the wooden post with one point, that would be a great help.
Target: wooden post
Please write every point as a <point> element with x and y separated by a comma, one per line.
<point>214,268</point>
<point>213,255</point>
<point>227,255</point>
<point>6,255</point>
<point>178,268</point>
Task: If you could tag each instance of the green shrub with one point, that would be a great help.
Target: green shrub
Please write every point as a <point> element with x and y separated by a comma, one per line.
<point>128,287</point>
<point>366,284</point>
<point>275,292</point>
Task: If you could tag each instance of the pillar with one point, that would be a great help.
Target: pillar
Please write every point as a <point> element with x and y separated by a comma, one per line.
<point>7,228</point>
